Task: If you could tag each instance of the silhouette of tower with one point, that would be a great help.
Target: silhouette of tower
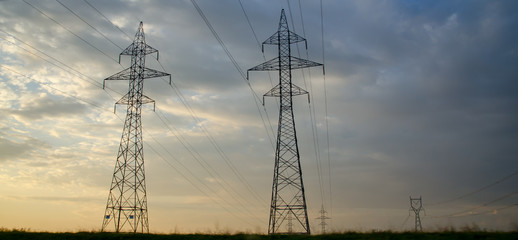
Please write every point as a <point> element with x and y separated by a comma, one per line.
<point>288,202</point>
<point>416,205</point>
<point>126,207</point>
<point>323,219</point>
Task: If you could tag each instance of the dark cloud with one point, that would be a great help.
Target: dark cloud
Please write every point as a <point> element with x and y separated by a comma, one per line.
<point>45,107</point>
<point>11,149</point>
<point>424,98</point>
<point>15,146</point>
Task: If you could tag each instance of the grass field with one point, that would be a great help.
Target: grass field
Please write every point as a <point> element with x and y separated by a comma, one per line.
<point>17,234</point>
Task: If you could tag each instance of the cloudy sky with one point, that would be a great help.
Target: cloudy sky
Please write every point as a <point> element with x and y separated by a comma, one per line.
<point>422,100</point>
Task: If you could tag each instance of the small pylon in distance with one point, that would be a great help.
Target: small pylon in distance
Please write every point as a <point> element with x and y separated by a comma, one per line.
<point>416,205</point>
<point>323,217</point>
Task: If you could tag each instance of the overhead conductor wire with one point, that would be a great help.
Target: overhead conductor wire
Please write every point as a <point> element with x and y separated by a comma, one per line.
<point>82,39</point>
<point>95,29</point>
<point>326,112</point>
<point>312,114</point>
<point>209,25</point>
<point>477,190</point>
<point>107,19</point>
<point>234,62</point>
<point>250,86</point>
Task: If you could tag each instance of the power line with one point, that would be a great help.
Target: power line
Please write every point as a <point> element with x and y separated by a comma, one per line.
<point>269,77</point>
<point>406,220</point>
<point>326,111</point>
<point>470,211</point>
<point>494,210</point>
<point>207,22</point>
<point>218,148</point>
<point>82,39</point>
<point>107,19</point>
<point>194,175</point>
<point>91,81</point>
<point>198,188</point>
<point>95,29</point>
<point>477,190</point>
<point>202,162</point>
<point>238,68</point>
<point>196,155</point>
<point>312,113</point>
<point>53,88</point>
<point>314,130</point>
<point>251,28</point>
<point>209,136</point>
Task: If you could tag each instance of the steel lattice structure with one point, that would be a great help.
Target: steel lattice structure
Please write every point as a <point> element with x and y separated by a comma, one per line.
<point>126,208</point>
<point>288,211</point>
<point>416,205</point>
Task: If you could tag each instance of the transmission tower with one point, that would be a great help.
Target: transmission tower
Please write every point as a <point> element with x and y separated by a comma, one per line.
<point>416,205</point>
<point>126,208</point>
<point>288,202</point>
<point>323,219</point>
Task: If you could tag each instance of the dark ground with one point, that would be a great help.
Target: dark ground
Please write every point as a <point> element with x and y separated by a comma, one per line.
<point>8,235</point>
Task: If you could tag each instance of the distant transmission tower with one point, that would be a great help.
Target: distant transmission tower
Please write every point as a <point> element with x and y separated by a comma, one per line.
<point>288,199</point>
<point>126,208</point>
<point>323,219</point>
<point>416,205</point>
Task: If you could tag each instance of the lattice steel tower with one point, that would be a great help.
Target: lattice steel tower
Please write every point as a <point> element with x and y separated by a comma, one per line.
<point>288,211</point>
<point>126,208</point>
<point>416,205</point>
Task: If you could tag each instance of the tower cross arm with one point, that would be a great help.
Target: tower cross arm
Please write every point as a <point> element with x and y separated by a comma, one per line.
<point>270,65</point>
<point>152,73</point>
<point>122,75</point>
<point>276,91</point>
<point>273,64</point>
<point>148,73</point>
<point>297,63</point>
<point>126,100</point>
<point>294,38</point>
<point>146,50</point>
